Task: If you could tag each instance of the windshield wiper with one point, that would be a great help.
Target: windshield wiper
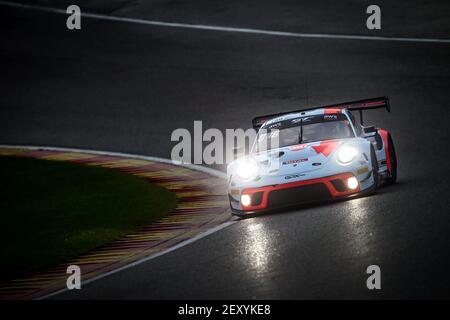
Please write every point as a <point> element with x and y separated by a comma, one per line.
<point>300,137</point>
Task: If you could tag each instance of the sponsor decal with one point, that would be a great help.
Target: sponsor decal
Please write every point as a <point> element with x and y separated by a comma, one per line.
<point>294,161</point>
<point>362,170</point>
<point>292,176</point>
<point>304,119</point>
<point>275,125</point>
<point>330,117</point>
<point>298,147</point>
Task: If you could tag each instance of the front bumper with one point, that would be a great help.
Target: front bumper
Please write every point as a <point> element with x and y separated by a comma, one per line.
<point>294,193</point>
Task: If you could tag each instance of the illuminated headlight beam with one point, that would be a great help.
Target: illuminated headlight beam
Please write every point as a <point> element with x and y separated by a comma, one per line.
<point>247,170</point>
<point>346,154</point>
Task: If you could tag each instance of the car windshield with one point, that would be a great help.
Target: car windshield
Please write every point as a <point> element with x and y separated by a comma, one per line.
<point>303,130</point>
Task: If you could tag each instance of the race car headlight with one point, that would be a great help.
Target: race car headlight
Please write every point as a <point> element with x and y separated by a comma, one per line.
<point>346,154</point>
<point>352,183</point>
<point>246,200</point>
<point>247,170</point>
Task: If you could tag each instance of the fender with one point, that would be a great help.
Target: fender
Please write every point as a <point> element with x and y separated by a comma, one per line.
<point>384,136</point>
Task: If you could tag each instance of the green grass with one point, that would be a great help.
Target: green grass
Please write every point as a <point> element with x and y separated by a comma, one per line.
<point>52,211</point>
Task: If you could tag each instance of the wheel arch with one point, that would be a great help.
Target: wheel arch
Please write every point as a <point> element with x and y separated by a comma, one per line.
<point>385,138</point>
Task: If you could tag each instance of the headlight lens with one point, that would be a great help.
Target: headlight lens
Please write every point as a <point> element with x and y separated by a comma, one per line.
<point>346,154</point>
<point>247,170</point>
<point>246,200</point>
<point>352,183</point>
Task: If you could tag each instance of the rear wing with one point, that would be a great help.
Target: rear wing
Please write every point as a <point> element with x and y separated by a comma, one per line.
<point>358,105</point>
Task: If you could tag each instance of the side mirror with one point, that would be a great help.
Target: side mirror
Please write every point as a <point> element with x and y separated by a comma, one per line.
<point>370,131</point>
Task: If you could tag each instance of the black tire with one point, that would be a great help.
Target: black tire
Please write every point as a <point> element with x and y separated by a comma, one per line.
<point>373,159</point>
<point>393,157</point>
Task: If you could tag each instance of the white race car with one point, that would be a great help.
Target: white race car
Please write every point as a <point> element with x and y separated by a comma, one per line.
<point>312,155</point>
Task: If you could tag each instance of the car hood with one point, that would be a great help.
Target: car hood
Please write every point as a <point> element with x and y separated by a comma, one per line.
<point>297,158</point>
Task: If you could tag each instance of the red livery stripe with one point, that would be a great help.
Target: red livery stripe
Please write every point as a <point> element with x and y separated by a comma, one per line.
<point>384,135</point>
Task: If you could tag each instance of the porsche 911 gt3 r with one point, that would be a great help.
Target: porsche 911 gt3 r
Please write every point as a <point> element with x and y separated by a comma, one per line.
<point>312,155</point>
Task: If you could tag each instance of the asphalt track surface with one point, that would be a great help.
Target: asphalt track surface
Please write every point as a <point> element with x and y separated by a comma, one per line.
<point>125,87</point>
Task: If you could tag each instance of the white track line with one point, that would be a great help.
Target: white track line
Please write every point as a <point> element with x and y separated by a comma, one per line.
<point>227,29</point>
<point>210,171</point>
